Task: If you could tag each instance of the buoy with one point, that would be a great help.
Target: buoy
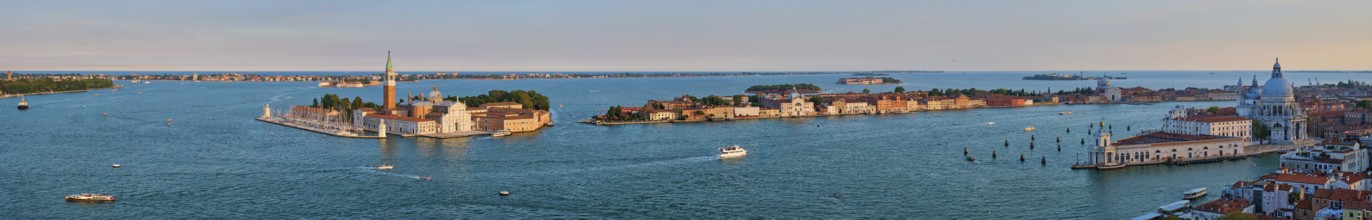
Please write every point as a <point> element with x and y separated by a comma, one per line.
<point>1126,128</point>
<point>1069,130</point>
<point>1083,141</point>
<point>1031,145</point>
<point>1043,160</point>
<point>993,154</point>
<point>1033,137</point>
<point>116,165</point>
<point>1007,143</point>
<point>1059,147</point>
<point>1021,158</point>
<point>964,151</point>
<point>1059,139</point>
<point>504,193</point>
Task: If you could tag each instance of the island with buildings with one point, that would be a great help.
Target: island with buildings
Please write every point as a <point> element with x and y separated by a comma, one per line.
<point>431,115</point>
<point>1056,76</point>
<point>806,100</point>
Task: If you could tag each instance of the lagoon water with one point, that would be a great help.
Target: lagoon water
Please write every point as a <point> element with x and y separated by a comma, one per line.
<point>215,161</point>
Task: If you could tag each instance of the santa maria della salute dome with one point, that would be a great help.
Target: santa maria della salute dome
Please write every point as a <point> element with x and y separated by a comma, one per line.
<point>1275,106</point>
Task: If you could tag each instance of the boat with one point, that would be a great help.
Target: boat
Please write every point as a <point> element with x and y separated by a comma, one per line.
<point>385,167</point>
<point>501,133</point>
<point>89,197</point>
<point>1030,128</point>
<point>1194,193</point>
<point>23,104</point>
<point>426,178</point>
<point>1064,113</point>
<point>116,165</point>
<point>1110,166</point>
<point>104,114</point>
<point>732,152</point>
<point>971,159</point>
<point>991,123</point>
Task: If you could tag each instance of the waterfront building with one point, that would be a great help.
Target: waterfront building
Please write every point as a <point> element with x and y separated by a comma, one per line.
<point>502,105</point>
<point>1198,122</point>
<point>743,112</point>
<point>662,114</point>
<point>399,124</point>
<point>1161,147</point>
<point>388,92</point>
<point>793,105</point>
<point>513,119</point>
<point>1329,156</point>
<point>1276,107</point>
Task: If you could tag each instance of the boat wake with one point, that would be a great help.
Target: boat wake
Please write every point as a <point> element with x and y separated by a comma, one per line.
<point>280,97</point>
<point>373,170</point>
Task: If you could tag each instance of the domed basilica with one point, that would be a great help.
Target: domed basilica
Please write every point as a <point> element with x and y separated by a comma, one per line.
<point>1274,104</point>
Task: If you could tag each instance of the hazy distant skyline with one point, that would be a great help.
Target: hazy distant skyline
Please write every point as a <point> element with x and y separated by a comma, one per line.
<point>685,35</point>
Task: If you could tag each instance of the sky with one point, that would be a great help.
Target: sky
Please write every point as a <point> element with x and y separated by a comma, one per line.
<point>700,35</point>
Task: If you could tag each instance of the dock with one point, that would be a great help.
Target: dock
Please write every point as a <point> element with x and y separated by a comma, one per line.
<point>346,135</point>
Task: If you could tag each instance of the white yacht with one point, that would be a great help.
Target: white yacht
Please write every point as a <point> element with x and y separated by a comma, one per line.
<point>732,152</point>
<point>89,197</point>
<point>501,133</point>
<point>1194,193</point>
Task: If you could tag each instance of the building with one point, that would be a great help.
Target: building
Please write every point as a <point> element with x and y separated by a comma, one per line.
<point>1328,156</point>
<point>1277,109</point>
<point>1109,92</point>
<point>388,91</point>
<point>792,105</point>
<point>1161,147</point>
<point>1187,121</point>
<point>397,124</point>
<point>662,114</point>
<point>512,119</point>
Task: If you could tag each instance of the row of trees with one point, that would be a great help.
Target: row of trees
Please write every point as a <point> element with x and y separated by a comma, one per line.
<point>37,85</point>
<point>347,107</point>
<point>616,113</point>
<point>529,99</point>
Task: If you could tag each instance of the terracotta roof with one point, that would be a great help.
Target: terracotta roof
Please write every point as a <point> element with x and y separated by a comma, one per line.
<point>1345,195</point>
<point>1165,137</point>
<point>1303,204</point>
<point>1213,119</point>
<point>1357,205</point>
<point>1301,178</point>
<point>1223,206</point>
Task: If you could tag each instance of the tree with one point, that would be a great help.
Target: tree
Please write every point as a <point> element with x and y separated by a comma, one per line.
<point>1365,104</point>
<point>738,100</point>
<point>1260,130</point>
<point>866,91</point>
<point>900,89</point>
<point>817,99</point>
<point>357,102</point>
<point>1213,109</point>
<point>316,103</point>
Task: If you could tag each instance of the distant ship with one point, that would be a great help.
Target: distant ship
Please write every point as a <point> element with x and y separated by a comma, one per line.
<point>88,197</point>
<point>23,104</point>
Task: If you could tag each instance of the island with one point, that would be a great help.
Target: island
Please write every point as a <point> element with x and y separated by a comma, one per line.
<point>38,84</point>
<point>868,81</point>
<point>1056,76</point>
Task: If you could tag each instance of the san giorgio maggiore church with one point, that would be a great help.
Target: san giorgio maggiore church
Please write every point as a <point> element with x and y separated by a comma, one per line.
<point>1274,104</point>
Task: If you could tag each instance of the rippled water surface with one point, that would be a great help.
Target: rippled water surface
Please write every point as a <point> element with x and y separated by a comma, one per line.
<point>215,161</point>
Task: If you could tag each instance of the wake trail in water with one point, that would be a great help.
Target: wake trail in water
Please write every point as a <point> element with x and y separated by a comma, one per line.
<point>373,170</point>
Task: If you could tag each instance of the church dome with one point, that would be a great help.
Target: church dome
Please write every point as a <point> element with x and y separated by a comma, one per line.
<point>1277,87</point>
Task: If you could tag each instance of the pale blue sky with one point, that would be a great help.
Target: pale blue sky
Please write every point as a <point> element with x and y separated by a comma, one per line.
<point>664,35</point>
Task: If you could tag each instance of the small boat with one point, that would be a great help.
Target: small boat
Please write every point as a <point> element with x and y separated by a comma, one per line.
<point>1030,128</point>
<point>23,104</point>
<point>1194,193</point>
<point>991,123</point>
<point>971,159</point>
<point>1064,113</point>
<point>501,133</point>
<point>504,193</point>
<point>89,197</point>
<point>116,165</point>
<point>732,152</point>
<point>104,114</point>
<point>385,167</point>
<point>426,178</point>
<point>1110,166</point>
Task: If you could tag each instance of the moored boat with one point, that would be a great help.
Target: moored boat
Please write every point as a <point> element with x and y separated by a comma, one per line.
<point>90,197</point>
<point>1030,128</point>
<point>732,152</point>
<point>1194,193</point>
<point>385,167</point>
<point>1110,166</point>
<point>501,133</point>
<point>1064,113</point>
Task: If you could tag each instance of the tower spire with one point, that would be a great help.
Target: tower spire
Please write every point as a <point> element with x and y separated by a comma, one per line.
<point>388,61</point>
<point>1276,68</point>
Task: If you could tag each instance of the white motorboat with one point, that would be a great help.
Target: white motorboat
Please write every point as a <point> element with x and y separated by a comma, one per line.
<point>1194,193</point>
<point>732,152</point>
<point>23,104</point>
<point>991,123</point>
<point>501,133</point>
<point>116,165</point>
<point>1030,128</point>
<point>385,167</point>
